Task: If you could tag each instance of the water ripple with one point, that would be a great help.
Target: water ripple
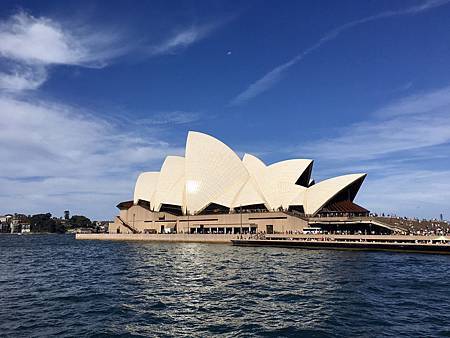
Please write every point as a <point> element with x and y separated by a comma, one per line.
<point>52,285</point>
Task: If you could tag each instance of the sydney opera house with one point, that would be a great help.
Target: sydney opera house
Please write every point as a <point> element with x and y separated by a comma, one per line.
<point>212,190</point>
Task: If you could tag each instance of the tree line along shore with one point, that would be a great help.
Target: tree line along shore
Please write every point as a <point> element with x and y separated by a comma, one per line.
<point>46,223</point>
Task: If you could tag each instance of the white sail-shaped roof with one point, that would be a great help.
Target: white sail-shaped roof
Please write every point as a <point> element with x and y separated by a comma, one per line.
<point>283,177</point>
<point>258,171</point>
<point>145,186</point>
<point>286,194</point>
<point>214,173</point>
<point>249,195</point>
<point>170,187</point>
<point>320,193</point>
<point>288,170</point>
<point>298,198</point>
<point>277,181</point>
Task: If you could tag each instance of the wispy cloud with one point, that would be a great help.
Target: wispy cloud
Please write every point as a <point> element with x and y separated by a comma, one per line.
<point>413,193</point>
<point>43,41</point>
<point>403,88</point>
<point>20,78</point>
<point>404,146</point>
<point>411,123</point>
<point>182,39</point>
<point>170,117</point>
<point>75,155</point>
<point>421,103</point>
<point>30,45</point>
<point>274,75</point>
<point>59,156</point>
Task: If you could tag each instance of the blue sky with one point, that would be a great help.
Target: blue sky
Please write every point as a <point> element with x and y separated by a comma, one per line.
<point>92,93</point>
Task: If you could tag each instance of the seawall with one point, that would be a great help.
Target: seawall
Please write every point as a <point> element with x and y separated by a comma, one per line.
<point>435,244</point>
<point>348,245</point>
<point>194,238</point>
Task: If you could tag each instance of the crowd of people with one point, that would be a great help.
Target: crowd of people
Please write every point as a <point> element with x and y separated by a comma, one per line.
<point>416,226</point>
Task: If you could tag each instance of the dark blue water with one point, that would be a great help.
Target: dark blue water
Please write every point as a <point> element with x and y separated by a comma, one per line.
<point>55,285</point>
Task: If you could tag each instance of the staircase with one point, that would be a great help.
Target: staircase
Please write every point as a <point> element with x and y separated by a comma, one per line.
<point>385,224</point>
<point>128,226</point>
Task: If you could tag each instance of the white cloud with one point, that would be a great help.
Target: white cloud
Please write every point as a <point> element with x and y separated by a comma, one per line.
<point>273,76</point>
<point>33,44</point>
<point>22,78</point>
<point>263,84</point>
<point>31,40</point>
<point>414,193</point>
<point>412,123</point>
<point>182,39</point>
<point>418,104</point>
<point>404,147</point>
<point>170,117</point>
<point>58,157</point>
<point>30,45</point>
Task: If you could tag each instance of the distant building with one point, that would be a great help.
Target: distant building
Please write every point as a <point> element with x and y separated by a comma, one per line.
<point>102,226</point>
<point>5,222</point>
<point>6,218</point>
<point>26,228</point>
<point>66,215</point>
<point>19,222</point>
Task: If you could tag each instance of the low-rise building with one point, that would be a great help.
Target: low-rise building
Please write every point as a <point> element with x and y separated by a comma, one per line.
<point>5,223</point>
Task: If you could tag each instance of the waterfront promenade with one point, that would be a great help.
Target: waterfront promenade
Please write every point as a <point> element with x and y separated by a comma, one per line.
<point>221,238</point>
<point>195,238</point>
<point>436,244</point>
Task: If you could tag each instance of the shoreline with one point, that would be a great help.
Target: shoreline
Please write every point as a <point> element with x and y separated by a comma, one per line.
<point>352,246</point>
<point>180,238</point>
<point>397,243</point>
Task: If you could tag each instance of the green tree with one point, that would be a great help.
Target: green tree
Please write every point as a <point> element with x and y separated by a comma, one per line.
<point>79,221</point>
<point>42,223</point>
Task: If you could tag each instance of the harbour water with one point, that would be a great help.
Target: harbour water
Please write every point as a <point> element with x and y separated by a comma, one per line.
<point>55,285</point>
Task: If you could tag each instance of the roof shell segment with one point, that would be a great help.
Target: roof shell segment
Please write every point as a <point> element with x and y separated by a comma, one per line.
<point>277,182</point>
<point>214,173</point>
<point>145,186</point>
<point>170,187</point>
<point>287,193</point>
<point>289,170</point>
<point>319,194</point>
<point>260,174</point>
<point>282,178</point>
<point>249,195</point>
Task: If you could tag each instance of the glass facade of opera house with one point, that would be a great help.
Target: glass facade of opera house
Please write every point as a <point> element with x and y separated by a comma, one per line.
<point>212,190</point>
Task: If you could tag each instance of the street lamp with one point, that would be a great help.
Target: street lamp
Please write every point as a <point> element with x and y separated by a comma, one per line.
<point>188,222</point>
<point>240,207</point>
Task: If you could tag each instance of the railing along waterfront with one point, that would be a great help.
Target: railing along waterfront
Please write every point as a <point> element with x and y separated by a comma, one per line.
<point>424,244</point>
<point>354,238</point>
